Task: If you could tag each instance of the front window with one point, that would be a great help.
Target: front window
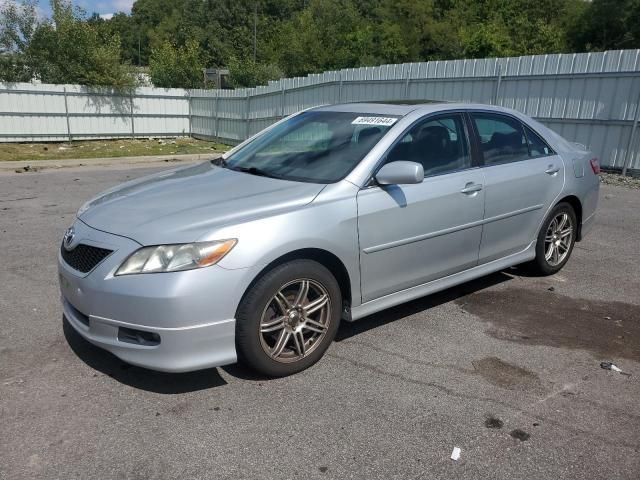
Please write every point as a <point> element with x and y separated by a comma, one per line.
<point>317,147</point>
<point>439,144</point>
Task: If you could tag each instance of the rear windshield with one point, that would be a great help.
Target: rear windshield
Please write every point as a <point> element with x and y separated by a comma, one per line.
<point>318,147</point>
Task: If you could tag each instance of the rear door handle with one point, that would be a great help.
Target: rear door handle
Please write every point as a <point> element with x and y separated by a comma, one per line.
<point>552,170</point>
<point>471,188</point>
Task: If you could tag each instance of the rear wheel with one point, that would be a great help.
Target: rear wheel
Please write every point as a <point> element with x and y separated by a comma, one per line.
<point>555,240</point>
<point>288,318</point>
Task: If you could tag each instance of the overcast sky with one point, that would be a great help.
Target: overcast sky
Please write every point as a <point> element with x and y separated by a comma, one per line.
<point>105,8</point>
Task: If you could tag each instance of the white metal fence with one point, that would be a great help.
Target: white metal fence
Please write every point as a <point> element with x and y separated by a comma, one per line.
<point>31,113</point>
<point>590,98</point>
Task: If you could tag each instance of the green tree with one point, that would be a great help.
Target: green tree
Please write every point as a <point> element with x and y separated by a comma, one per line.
<point>17,25</point>
<point>490,28</point>
<point>177,67</point>
<point>328,34</point>
<point>248,73</point>
<point>298,37</point>
<point>64,49</point>
<point>606,25</point>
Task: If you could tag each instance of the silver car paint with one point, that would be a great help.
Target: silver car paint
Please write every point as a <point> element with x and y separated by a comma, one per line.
<point>377,233</point>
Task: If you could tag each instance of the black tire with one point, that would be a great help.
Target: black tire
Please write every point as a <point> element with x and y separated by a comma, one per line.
<point>249,338</point>
<point>540,265</point>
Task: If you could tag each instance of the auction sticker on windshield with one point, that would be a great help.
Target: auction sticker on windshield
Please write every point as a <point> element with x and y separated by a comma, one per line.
<point>384,121</point>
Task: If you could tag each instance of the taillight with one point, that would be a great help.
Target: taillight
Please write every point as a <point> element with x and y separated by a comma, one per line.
<point>595,166</point>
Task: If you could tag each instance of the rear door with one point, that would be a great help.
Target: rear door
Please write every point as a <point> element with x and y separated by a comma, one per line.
<point>523,178</point>
<point>412,234</point>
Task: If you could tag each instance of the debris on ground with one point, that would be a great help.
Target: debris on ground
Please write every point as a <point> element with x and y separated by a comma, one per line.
<point>619,180</point>
<point>611,366</point>
<point>455,455</point>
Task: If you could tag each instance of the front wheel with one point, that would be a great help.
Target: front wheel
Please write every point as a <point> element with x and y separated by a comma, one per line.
<point>555,240</point>
<point>288,318</point>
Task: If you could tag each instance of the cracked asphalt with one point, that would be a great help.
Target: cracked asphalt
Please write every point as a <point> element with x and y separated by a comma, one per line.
<point>507,368</point>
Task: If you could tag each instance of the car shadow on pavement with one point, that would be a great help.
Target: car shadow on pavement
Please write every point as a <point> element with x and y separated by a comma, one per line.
<point>350,329</point>
<point>137,377</point>
<point>243,372</point>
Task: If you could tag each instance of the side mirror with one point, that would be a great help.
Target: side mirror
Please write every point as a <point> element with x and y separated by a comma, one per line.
<point>400,173</point>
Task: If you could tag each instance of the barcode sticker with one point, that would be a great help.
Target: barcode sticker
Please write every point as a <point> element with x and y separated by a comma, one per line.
<point>384,121</point>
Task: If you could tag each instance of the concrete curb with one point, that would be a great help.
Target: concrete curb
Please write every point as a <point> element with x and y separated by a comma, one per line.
<point>102,162</point>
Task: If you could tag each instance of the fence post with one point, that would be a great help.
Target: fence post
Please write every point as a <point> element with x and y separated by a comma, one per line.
<point>246,115</point>
<point>340,88</point>
<point>133,130</point>
<point>406,85</point>
<point>282,99</point>
<point>189,103</point>
<point>66,113</point>
<point>499,81</point>
<point>632,137</point>
<point>216,118</point>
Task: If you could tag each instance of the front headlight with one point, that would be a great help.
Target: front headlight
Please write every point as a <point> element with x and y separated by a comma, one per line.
<point>175,258</point>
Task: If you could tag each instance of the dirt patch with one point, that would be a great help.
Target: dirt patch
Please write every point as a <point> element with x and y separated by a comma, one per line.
<point>520,435</point>
<point>493,422</point>
<point>505,375</point>
<point>607,329</point>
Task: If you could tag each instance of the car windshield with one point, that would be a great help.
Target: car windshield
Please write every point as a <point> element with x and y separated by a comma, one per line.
<point>317,147</point>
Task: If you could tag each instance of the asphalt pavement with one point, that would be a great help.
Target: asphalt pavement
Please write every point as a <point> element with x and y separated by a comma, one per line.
<point>507,368</point>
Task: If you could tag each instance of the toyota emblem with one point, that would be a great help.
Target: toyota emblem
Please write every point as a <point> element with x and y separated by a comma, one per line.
<point>69,235</point>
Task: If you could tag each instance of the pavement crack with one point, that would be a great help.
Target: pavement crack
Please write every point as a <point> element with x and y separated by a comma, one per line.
<point>410,359</point>
<point>17,199</point>
<point>514,411</point>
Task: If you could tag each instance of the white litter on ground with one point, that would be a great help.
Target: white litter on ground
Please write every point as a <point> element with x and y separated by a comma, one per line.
<point>455,455</point>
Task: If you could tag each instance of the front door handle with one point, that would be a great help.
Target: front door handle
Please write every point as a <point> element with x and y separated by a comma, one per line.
<point>552,170</point>
<point>471,188</point>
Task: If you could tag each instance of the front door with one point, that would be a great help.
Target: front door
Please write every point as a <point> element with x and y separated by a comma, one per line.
<point>412,234</point>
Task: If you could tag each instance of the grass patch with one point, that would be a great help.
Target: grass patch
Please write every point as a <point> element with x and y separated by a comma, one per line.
<point>107,148</point>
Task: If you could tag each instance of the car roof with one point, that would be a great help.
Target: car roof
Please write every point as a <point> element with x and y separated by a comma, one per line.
<point>404,107</point>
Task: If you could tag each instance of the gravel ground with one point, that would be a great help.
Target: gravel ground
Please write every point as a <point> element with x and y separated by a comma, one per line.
<point>507,368</point>
<point>619,180</point>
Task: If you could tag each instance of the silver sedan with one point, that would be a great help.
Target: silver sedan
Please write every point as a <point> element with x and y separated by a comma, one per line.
<point>331,214</point>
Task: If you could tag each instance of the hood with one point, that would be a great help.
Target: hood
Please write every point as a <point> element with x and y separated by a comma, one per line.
<point>182,205</point>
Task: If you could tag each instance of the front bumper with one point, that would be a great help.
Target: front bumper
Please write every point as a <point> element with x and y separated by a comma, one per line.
<point>181,349</point>
<point>189,315</point>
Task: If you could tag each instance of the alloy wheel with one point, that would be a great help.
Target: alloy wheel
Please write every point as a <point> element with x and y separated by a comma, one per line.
<point>295,320</point>
<point>557,240</point>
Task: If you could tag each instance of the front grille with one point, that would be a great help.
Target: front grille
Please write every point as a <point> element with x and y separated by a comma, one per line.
<point>84,258</point>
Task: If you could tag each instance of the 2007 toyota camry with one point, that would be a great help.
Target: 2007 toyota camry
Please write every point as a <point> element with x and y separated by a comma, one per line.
<point>333,213</point>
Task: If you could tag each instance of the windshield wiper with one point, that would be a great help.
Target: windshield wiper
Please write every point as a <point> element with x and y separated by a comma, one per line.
<point>254,171</point>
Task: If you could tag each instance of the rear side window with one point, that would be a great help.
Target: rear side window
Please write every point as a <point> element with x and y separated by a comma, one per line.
<point>502,138</point>
<point>537,146</point>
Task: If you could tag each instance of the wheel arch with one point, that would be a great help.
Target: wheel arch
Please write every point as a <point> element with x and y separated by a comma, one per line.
<point>576,204</point>
<point>325,258</point>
